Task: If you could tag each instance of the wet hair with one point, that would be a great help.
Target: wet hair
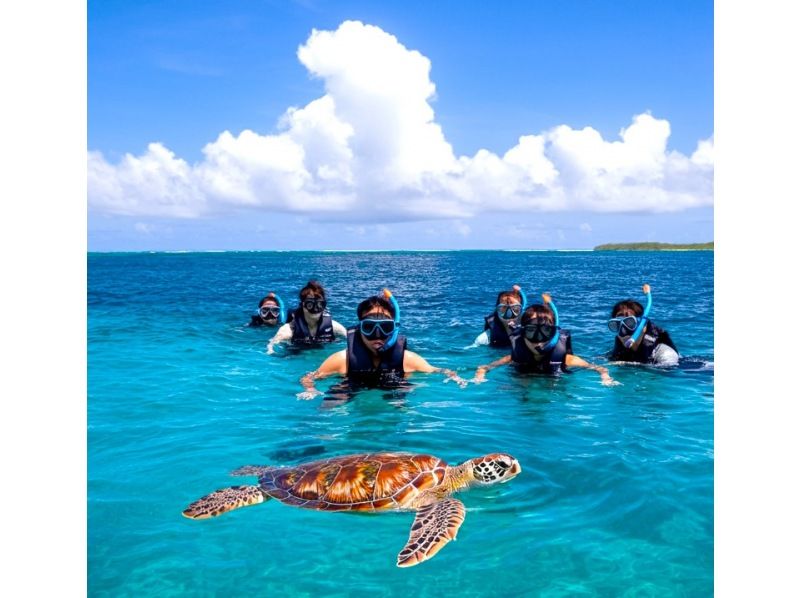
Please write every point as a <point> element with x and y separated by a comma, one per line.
<point>511,293</point>
<point>629,307</point>
<point>313,287</point>
<point>368,304</point>
<point>538,311</point>
<point>270,297</point>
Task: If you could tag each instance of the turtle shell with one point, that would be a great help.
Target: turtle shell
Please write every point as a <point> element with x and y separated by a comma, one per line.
<point>364,482</point>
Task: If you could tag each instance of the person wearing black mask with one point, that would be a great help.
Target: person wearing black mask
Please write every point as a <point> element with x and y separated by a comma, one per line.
<point>270,312</point>
<point>311,323</point>
<point>540,346</point>
<point>376,355</point>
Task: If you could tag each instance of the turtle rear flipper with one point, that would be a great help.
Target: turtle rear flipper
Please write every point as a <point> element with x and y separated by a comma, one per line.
<point>434,526</point>
<point>224,500</point>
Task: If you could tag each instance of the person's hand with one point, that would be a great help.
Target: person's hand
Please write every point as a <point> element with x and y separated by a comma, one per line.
<point>308,394</point>
<point>270,349</point>
<point>607,380</point>
<point>458,380</point>
<point>480,376</point>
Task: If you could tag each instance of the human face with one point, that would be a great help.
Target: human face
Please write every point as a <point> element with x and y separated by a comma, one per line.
<point>538,331</point>
<point>314,304</point>
<point>508,308</point>
<point>372,323</point>
<point>269,312</point>
<point>624,324</point>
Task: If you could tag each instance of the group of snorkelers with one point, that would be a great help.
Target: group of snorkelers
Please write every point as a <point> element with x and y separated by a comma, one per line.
<point>376,354</point>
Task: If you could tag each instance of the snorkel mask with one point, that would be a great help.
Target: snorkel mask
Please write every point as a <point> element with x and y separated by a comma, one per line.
<point>505,311</point>
<point>314,305</point>
<point>392,339</point>
<point>550,345</point>
<point>281,310</point>
<point>642,321</point>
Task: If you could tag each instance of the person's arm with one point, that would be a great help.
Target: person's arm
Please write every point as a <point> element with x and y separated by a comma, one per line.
<point>335,364</point>
<point>338,329</point>
<point>575,361</point>
<point>480,373</point>
<point>416,363</point>
<point>284,334</point>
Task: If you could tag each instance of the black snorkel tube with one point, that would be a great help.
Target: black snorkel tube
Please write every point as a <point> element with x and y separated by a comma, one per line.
<point>643,320</point>
<point>387,294</point>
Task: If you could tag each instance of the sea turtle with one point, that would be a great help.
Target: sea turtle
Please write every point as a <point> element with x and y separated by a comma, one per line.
<point>371,482</point>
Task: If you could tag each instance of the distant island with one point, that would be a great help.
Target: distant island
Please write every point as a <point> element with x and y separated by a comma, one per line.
<point>656,247</point>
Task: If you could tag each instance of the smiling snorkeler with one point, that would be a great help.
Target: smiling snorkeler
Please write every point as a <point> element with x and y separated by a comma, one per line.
<point>376,354</point>
<point>270,312</point>
<point>311,324</point>
<point>499,325</point>
<point>539,345</point>
<point>637,338</point>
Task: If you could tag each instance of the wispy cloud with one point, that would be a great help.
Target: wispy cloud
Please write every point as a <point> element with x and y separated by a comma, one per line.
<point>371,146</point>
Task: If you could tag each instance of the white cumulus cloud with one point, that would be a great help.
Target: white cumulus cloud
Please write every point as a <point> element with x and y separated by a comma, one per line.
<point>371,145</point>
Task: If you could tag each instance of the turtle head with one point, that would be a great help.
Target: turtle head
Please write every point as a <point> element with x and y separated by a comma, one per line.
<point>496,467</point>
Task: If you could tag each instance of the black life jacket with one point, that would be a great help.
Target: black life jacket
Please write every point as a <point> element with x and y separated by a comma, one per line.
<point>498,337</point>
<point>360,368</point>
<point>552,361</point>
<point>652,337</point>
<point>301,334</point>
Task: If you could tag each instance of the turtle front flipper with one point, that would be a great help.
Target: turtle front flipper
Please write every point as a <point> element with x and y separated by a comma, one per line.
<point>434,526</point>
<point>224,500</point>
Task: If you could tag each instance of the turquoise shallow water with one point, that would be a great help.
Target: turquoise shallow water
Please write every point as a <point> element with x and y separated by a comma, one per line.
<point>616,493</point>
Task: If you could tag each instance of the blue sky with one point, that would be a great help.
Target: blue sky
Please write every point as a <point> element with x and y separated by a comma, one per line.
<point>371,157</point>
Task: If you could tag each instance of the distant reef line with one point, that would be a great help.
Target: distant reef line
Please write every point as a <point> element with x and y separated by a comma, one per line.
<point>656,247</point>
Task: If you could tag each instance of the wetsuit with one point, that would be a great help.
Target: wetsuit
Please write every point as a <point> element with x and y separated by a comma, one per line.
<point>552,361</point>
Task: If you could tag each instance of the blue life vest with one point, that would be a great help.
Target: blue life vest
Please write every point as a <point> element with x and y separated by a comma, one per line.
<point>552,361</point>
<point>498,337</point>
<point>653,336</point>
<point>360,367</point>
<point>301,334</point>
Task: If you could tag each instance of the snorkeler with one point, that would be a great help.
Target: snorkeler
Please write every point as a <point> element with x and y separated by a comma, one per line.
<point>311,323</point>
<point>539,345</point>
<point>270,312</point>
<point>376,354</point>
<point>500,324</point>
<point>637,338</point>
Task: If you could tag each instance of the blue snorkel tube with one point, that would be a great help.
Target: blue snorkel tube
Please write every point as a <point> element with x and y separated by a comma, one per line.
<point>643,321</point>
<point>392,339</point>
<point>517,288</point>
<point>282,315</point>
<point>553,341</point>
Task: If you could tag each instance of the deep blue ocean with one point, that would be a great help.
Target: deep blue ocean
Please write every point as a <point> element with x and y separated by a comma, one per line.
<point>616,493</point>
